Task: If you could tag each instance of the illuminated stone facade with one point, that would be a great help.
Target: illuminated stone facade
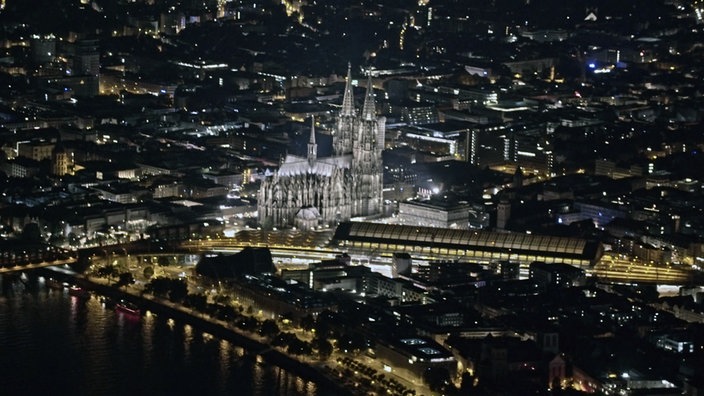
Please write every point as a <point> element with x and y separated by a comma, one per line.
<point>347,184</point>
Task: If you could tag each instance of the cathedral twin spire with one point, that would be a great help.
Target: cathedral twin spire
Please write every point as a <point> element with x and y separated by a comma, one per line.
<point>348,132</point>
<point>348,98</point>
<point>368,109</point>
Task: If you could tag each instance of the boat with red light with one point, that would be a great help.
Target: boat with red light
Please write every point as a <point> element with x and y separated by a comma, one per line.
<point>128,308</point>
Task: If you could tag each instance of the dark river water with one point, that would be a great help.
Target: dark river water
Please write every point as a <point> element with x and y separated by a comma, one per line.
<point>52,343</point>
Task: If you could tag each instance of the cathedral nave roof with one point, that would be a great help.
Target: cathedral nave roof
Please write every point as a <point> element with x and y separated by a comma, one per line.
<point>294,165</point>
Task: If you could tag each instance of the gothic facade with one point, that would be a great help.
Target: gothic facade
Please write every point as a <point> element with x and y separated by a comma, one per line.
<point>309,191</point>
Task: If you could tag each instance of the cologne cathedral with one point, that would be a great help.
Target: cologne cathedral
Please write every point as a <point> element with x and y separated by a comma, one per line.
<point>306,192</point>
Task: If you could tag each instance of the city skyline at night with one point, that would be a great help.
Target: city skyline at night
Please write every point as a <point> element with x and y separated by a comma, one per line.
<point>497,197</point>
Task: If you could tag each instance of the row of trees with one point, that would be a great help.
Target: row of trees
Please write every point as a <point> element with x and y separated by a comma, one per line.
<point>113,272</point>
<point>176,290</point>
<point>325,327</point>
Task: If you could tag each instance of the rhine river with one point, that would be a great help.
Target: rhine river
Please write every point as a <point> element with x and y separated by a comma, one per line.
<point>55,343</point>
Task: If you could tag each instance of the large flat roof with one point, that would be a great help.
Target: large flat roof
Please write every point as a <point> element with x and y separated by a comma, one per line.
<point>469,240</point>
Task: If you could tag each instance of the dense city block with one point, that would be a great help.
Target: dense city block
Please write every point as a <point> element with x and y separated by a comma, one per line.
<point>496,197</point>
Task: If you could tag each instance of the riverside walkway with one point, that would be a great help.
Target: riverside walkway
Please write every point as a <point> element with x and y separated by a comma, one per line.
<point>255,346</point>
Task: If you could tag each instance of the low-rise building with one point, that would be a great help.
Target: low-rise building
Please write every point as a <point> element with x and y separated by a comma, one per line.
<point>557,275</point>
<point>435,214</point>
<point>414,356</point>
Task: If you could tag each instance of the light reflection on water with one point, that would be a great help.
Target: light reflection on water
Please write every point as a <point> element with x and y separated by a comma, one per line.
<point>52,342</point>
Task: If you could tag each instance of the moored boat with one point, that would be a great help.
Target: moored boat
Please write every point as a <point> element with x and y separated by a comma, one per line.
<point>78,292</point>
<point>127,308</point>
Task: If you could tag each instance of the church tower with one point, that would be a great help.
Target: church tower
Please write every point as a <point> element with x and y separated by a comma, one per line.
<point>346,121</point>
<point>312,146</point>
<point>366,162</point>
<point>61,161</point>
